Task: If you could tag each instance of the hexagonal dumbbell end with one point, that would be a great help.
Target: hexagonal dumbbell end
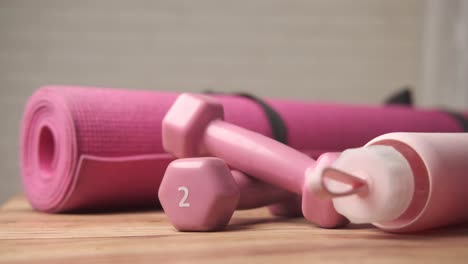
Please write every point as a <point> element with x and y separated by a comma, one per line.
<point>184,124</point>
<point>315,208</point>
<point>199,194</point>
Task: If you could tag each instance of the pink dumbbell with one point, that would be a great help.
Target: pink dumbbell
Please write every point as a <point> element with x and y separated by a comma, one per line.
<point>201,194</point>
<point>194,127</point>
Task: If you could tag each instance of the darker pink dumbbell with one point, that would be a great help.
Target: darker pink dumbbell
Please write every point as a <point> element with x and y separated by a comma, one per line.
<point>201,194</point>
<point>194,127</point>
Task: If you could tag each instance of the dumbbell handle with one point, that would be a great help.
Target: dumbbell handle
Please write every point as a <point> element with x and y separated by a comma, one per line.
<point>255,193</point>
<point>257,155</point>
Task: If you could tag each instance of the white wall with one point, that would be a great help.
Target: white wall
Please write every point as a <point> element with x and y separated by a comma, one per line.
<point>354,51</point>
<point>444,65</point>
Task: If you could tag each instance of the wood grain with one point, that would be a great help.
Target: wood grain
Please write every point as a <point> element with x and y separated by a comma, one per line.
<point>27,236</point>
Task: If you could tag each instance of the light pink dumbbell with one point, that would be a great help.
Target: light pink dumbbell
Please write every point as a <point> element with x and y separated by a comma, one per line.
<point>201,194</point>
<point>194,127</point>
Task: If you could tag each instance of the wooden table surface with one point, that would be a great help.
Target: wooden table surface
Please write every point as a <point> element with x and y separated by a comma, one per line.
<point>27,236</point>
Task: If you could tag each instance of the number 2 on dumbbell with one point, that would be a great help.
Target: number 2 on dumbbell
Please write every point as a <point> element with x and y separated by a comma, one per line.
<point>183,201</point>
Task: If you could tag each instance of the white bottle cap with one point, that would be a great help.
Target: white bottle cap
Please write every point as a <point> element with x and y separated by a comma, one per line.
<point>389,179</point>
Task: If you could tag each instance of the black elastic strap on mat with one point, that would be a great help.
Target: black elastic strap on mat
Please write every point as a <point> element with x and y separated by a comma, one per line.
<point>405,97</point>
<point>278,128</point>
<point>461,119</point>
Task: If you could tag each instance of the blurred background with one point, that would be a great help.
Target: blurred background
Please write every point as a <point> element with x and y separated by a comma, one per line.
<point>358,51</point>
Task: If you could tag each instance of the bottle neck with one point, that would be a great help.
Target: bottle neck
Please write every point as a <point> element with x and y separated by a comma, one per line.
<point>369,184</point>
<point>421,183</point>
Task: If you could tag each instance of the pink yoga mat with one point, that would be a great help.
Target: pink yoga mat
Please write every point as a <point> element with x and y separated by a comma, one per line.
<point>86,148</point>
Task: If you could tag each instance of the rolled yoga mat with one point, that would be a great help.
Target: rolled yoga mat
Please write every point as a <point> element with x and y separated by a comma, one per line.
<point>85,148</point>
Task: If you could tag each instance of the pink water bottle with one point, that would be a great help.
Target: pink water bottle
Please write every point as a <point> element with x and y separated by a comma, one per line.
<point>400,182</point>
